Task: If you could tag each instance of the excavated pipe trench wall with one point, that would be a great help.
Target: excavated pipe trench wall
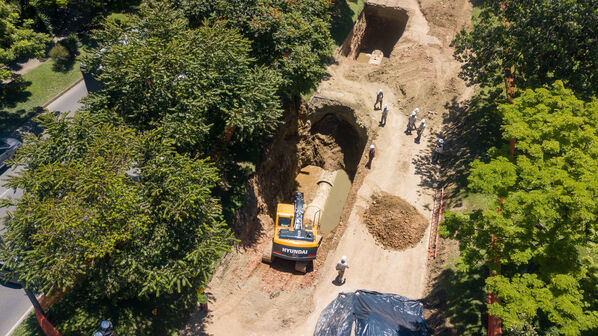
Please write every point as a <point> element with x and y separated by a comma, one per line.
<point>337,123</point>
<point>377,28</point>
<point>327,136</point>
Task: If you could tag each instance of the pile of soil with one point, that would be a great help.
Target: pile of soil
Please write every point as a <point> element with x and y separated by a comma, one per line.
<point>394,223</point>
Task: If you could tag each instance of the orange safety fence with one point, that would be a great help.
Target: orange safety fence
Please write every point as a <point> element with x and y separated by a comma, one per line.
<point>435,224</point>
<point>45,324</point>
<point>439,220</point>
<point>432,225</point>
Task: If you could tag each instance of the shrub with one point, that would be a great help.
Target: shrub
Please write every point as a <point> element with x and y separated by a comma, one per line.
<point>71,44</point>
<point>61,56</point>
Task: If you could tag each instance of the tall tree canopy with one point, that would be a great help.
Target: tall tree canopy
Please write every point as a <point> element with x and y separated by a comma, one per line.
<point>292,36</point>
<point>543,40</point>
<point>548,224</point>
<point>17,39</point>
<point>106,200</point>
<point>199,85</point>
<point>63,16</point>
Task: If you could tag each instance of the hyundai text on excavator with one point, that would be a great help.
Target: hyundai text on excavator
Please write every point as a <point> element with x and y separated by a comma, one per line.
<point>294,239</point>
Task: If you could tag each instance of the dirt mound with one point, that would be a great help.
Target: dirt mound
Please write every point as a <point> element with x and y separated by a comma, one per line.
<point>394,223</point>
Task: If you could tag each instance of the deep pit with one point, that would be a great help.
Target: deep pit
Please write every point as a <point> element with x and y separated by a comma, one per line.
<point>323,137</point>
<point>377,28</point>
<point>326,135</point>
<point>336,144</point>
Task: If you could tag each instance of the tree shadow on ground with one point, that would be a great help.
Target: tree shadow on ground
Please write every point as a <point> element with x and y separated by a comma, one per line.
<point>198,320</point>
<point>429,172</point>
<point>64,66</point>
<point>457,303</point>
<point>10,95</point>
<point>14,92</point>
<point>470,129</point>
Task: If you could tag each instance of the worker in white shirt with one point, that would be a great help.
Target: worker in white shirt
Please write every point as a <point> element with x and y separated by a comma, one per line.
<point>420,130</point>
<point>341,265</point>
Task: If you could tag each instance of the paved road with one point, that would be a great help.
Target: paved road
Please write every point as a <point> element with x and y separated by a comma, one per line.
<point>14,305</point>
<point>70,100</point>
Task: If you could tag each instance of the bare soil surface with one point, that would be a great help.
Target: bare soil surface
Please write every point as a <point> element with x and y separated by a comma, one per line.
<point>333,131</point>
<point>394,223</point>
<point>30,64</point>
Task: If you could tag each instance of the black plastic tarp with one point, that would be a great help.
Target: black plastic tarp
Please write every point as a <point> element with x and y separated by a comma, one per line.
<point>374,314</point>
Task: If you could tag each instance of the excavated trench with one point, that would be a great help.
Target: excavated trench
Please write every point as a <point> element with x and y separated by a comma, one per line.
<point>375,33</point>
<point>314,140</point>
<point>335,143</point>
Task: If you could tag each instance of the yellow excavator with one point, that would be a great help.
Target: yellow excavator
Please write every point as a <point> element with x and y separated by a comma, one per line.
<point>293,238</point>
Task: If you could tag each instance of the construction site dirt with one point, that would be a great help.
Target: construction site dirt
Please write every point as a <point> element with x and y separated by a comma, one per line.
<point>394,223</point>
<point>333,131</point>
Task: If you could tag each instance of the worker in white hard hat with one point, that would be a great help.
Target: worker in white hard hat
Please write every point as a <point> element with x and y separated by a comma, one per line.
<point>371,155</point>
<point>379,97</point>
<point>420,130</point>
<point>341,265</point>
<point>438,150</point>
<point>384,115</point>
<point>412,120</point>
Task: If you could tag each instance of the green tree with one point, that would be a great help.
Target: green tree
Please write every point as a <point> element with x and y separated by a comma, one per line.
<point>106,201</point>
<point>56,16</point>
<point>543,40</point>
<point>292,36</point>
<point>198,85</point>
<point>17,39</point>
<point>546,229</point>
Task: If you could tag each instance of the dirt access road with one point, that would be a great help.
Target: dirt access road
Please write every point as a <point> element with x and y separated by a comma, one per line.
<point>251,298</point>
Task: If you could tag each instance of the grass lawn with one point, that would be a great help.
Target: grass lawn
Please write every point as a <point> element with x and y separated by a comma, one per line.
<point>118,16</point>
<point>35,89</point>
<point>466,201</point>
<point>28,327</point>
<point>344,16</point>
<point>356,7</point>
<point>45,84</point>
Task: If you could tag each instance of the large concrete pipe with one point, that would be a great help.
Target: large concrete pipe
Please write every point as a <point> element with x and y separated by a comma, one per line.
<point>315,208</point>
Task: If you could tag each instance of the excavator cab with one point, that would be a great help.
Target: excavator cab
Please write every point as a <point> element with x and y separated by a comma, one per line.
<point>293,238</point>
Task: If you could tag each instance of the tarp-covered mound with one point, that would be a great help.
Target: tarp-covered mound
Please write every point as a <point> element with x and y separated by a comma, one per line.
<point>374,314</point>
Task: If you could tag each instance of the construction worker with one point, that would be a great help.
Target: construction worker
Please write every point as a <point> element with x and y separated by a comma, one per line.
<point>379,97</point>
<point>341,265</point>
<point>420,129</point>
<point>202,297</point>
<point>371,155</point>
<point>438,150</point>
<point>384,115</point>
<point>412,120</point>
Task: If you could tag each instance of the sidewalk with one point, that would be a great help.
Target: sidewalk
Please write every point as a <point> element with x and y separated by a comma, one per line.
<point>31,64</point>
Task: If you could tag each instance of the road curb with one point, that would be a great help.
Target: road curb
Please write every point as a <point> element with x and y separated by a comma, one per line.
<point>17,133</point>
<point>62,92</point>
<point>21,319</point>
